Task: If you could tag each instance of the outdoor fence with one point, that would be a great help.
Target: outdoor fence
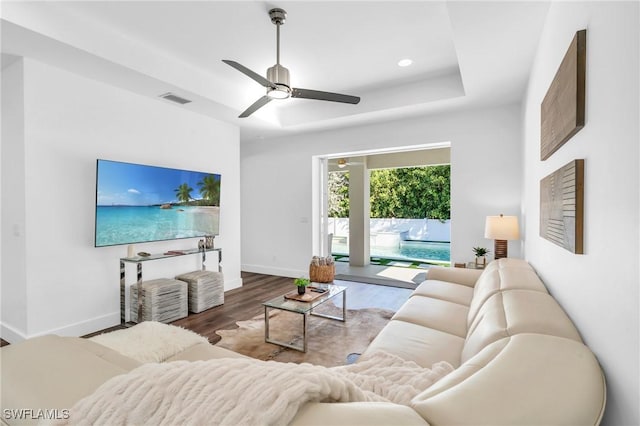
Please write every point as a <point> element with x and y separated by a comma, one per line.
<point>386,232</point>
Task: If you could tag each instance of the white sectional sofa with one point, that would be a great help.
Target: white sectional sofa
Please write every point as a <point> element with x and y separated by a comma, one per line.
<point>518,359</point>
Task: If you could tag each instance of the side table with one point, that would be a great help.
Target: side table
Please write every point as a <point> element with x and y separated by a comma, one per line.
<point>139,260</point>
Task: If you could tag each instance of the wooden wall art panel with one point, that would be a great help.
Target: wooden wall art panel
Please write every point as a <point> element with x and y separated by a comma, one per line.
<point>561,207</point>
<point>562,112</point>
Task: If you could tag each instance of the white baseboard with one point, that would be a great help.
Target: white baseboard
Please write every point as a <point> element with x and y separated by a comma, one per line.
<point>10,334</point>
<point>270,270</point>
<point>78,329</point>
<point>85,327</point>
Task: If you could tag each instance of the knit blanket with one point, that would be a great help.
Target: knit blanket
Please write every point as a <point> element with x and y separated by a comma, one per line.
<point>239,391</point>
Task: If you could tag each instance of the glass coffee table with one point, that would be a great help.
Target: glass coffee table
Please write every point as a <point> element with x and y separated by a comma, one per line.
<point>305,309</point>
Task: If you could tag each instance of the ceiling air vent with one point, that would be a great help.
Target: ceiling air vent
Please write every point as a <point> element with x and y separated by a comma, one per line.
<point>174,98</point>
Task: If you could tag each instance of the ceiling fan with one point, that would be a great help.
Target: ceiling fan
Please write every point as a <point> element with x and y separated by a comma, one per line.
<point>344,162</point>
<point>277,81</point>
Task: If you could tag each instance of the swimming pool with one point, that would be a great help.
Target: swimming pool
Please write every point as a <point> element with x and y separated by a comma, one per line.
<point>408,250</point>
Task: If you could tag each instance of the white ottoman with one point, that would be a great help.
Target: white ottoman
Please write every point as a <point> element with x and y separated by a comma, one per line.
<point>206,289</point>
<point>163,300</point>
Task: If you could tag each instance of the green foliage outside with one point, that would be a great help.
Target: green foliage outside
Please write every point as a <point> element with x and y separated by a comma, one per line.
<point>338,190</point>
<point>409,193</point>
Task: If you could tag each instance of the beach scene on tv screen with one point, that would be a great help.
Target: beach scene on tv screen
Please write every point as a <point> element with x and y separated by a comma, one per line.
<point>137,203</point>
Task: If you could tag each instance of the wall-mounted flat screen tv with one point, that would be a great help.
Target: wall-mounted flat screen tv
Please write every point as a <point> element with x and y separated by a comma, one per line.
<point>136,203</point>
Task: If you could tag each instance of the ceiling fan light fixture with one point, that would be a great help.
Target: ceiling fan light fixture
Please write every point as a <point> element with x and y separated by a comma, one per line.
<point>280,92</point>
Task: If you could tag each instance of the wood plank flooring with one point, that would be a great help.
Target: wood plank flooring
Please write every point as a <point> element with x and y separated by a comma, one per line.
<point>246,302</point>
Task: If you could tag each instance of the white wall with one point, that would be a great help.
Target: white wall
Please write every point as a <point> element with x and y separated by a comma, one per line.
<point>13,298</point>
<point>68,286</point>
<point>277,194</point>
<point>599,290</point>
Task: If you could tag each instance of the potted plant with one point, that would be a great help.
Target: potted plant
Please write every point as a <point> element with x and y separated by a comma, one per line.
<point>301,283</point>
<point>480,253</point>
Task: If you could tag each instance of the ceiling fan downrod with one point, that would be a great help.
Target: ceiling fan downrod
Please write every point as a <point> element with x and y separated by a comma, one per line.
<point>278,17</point>
<point>278,74</point>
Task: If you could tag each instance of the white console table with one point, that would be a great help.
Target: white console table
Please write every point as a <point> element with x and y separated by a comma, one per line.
<point>139,260</point>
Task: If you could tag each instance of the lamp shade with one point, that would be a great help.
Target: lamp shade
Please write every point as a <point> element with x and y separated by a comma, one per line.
<point>502,228</point>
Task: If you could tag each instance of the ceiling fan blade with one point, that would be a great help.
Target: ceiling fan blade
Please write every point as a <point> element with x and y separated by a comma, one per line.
<point>251,74</point>
<point>323,96</point>
<point>255,106</point>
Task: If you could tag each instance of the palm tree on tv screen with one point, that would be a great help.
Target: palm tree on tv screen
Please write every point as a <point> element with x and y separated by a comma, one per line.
<point>210,189</point>
<point>183,193</point>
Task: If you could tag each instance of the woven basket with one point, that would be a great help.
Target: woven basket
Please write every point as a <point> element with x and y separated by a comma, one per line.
<point>322,273</point>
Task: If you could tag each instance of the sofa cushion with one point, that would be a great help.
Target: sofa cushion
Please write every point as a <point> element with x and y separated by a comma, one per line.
<point>443,290</point>
<point>412,342</point>
<point>435,313</point>
<point>513,312</point>
<point>503,274</point>
<point>531,379</point>
<point>357,413</point>
<point>35,369</point>
<point>461,276</point>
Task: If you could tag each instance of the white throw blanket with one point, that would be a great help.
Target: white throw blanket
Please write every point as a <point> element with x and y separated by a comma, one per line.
<point>238,391</point>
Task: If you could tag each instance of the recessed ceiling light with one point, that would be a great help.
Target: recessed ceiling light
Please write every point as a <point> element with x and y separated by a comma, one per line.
<point>405,62</point>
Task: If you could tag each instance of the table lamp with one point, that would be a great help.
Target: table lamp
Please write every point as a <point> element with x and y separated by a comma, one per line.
<point>501,229</point>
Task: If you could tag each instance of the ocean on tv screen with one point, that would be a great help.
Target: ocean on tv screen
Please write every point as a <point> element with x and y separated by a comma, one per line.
<point>135,224</point>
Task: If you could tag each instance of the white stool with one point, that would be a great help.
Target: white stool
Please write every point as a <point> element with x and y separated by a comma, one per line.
<point>163,300</point>
<point>206,289</point>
